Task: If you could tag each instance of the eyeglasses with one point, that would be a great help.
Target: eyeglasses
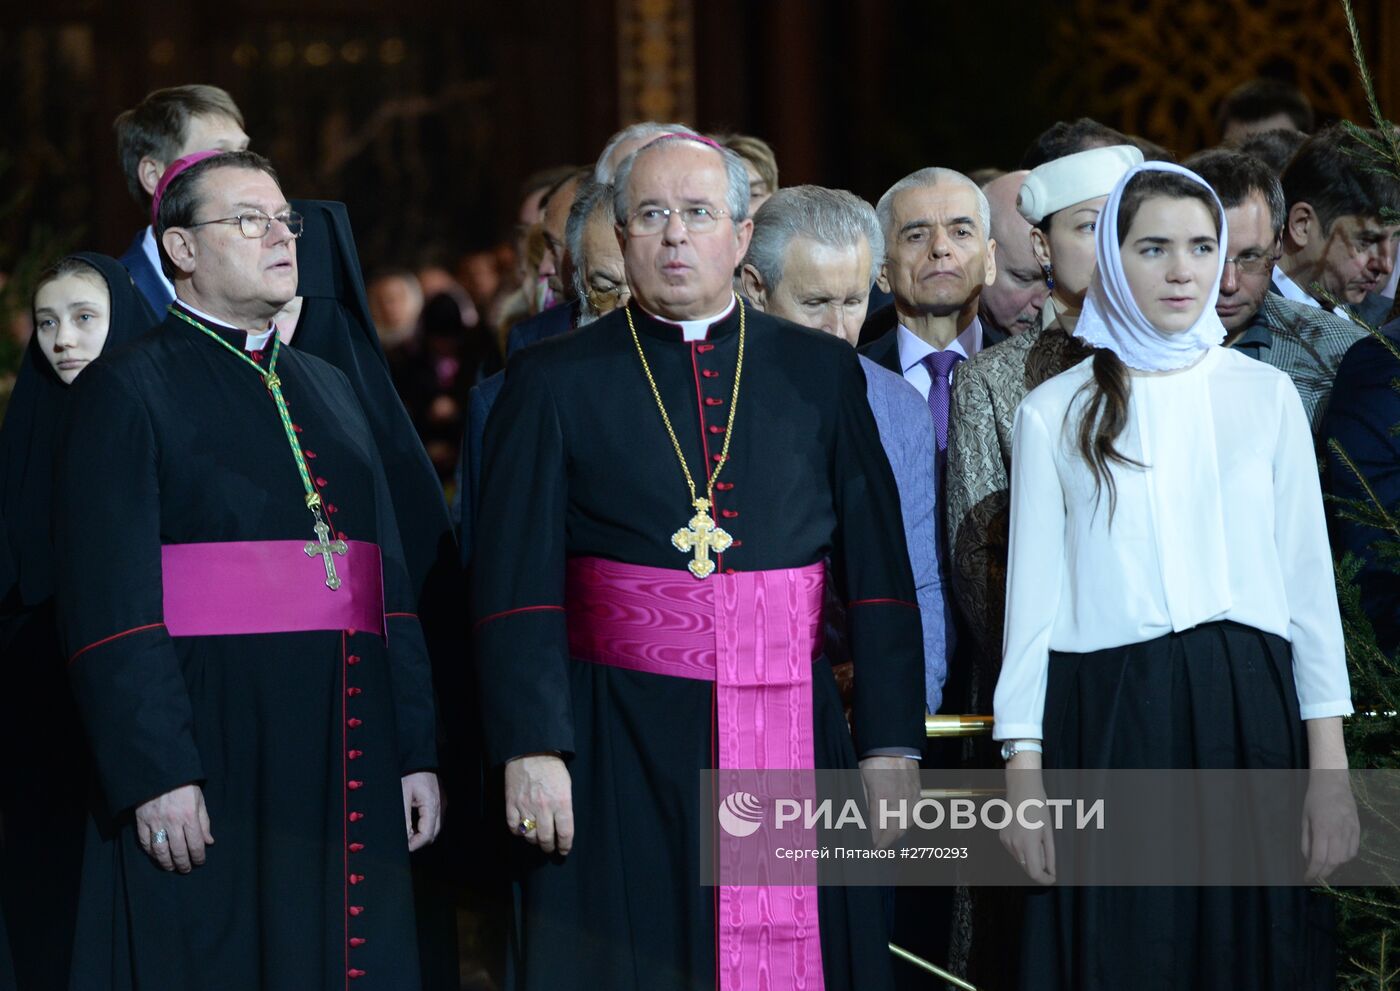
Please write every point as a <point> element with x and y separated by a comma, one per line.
<point>255,224</point>
<point>1254,263</point>
<point>604,301</point>
<point>653,219</point>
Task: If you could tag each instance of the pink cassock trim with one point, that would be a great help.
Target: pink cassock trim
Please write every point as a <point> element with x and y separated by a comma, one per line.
<point>269,586</point>
<point>755,634</point>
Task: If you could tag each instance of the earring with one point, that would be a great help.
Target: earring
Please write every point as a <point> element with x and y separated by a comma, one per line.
<point>1049,277</point>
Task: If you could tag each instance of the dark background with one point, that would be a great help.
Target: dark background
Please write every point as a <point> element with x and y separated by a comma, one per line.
<point>424,115</point>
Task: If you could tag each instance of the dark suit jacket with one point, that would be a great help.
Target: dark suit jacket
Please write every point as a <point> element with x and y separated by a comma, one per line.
<point>884,348</point>
<point>479,403</point>
<point>882,323</point>
<point>1363,410</point>
<point>147,279</point>
<point>556,320</point>
<point>1374,309</point>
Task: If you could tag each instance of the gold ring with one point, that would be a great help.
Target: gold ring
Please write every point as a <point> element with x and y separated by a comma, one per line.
<point>527,825</point>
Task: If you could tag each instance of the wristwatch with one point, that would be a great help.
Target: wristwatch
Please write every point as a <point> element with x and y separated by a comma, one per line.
<point>1011,748</point>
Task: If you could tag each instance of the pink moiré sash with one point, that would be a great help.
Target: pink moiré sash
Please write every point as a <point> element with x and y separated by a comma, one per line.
<point>269,586</point>
<point>755,634</point>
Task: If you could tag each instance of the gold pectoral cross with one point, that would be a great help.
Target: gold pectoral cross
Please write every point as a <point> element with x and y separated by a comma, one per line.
<point>701,535</point>
<point>325,547</point>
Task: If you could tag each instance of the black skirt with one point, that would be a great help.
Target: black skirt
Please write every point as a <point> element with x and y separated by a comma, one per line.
<point>1220,695</point>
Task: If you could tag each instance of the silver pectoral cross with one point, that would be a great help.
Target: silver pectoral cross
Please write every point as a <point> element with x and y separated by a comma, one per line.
<point>701,536</point>
<point>325,547</point>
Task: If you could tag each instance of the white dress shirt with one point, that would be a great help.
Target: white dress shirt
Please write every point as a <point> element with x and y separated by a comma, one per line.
<point>1224,523</point>
<point>1291,290</point>
<point>913,349</point>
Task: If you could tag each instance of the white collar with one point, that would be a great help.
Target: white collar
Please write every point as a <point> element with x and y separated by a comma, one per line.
<point>152,253</point>
<point>1291,290</point>
<point>256,342</point>
<point>913,348</point>
<point>697,330</point>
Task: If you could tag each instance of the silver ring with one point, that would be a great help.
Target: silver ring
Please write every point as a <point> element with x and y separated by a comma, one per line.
<point>158,838</point>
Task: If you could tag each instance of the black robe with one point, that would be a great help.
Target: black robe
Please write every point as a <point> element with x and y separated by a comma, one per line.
<point>174,440</point>
<point>577,463</point>
<point>43,793</point>
<point>335,325</point>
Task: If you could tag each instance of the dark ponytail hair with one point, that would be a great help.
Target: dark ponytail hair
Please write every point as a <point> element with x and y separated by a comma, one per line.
<point>1105,412</point>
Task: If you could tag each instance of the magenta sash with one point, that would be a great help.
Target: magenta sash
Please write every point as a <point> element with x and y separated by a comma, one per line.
<point>269,586</point>
<point>755,634</point>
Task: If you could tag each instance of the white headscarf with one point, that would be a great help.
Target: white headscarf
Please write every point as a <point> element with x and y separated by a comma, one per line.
<point>1112,318</point>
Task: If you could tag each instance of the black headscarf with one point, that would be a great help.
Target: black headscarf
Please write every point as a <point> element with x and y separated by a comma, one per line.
<point>335,325</point>
<point>31,429</point>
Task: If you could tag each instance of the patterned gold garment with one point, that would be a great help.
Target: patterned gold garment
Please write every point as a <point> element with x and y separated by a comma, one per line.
<point>977,505</point>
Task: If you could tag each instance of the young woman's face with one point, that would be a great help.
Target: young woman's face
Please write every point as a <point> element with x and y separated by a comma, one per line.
<point>1170,258</point>
<point>71,315</point>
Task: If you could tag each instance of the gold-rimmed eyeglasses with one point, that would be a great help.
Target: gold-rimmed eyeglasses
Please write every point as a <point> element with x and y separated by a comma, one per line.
<point>254,224</point>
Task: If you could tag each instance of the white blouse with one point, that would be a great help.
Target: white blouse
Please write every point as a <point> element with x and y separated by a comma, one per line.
<point>1225,522</point>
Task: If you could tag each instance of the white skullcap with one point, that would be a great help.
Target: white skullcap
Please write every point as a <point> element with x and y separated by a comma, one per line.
<point>1085,175</point>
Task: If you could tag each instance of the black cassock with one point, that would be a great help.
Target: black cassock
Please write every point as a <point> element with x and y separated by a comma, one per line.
<point>298,739</point>
<point>577,463</point>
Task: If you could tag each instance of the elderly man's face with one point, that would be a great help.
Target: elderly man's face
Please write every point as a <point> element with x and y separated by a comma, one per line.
<point>676,273</point>
<point>556,265</point>
<point>244,275</point>
<point>938,257</point>
<point>1013,302</point>
<point>604,279</point>
<point>824,287</point>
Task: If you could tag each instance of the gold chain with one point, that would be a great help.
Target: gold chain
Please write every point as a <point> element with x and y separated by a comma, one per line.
<point>733,407</point>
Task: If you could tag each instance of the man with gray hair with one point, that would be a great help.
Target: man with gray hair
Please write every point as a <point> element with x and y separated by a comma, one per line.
<point>689,458</point>
<point>814,254</point>
<point>938,259</point>
<point>600,281</point>
<point>626,141</point>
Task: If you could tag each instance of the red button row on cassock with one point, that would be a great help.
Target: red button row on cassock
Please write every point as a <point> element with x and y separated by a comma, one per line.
<point>356,878</point>
<point>356,816</point>
<point>352,972</point>
<point>715,430</point>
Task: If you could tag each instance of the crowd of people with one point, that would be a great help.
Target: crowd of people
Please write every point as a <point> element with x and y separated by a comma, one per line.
<point>712,474</point>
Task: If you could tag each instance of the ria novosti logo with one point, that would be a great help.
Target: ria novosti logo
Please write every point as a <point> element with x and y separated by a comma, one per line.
<point>741,814</point>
